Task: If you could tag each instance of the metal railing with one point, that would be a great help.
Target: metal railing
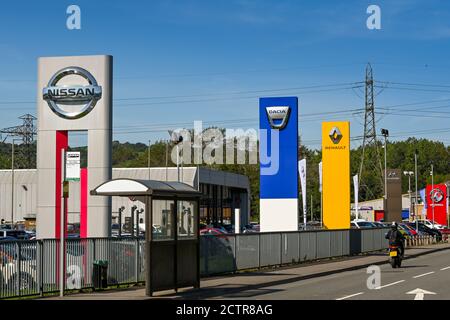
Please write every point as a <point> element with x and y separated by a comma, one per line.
<point>235,252</point>
<point>30,268</point>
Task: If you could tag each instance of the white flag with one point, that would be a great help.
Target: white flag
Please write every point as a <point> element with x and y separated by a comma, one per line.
<point>302,173</point>
<point>320,176</point>
<point>356,188</point>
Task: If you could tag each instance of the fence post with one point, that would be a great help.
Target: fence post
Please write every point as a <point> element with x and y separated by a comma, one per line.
<point>235,250</point>
<point>259,251</point>
<point>18,280</point>
<point>137,259</point>
<point>281,248</point>
<point>40,265</point>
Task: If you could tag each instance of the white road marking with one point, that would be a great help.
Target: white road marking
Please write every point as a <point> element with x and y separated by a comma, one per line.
<point>350,296</point>
<point>389,284</point>
<point>420,293</point>
<point>445,268</point>
<point>423,275</point>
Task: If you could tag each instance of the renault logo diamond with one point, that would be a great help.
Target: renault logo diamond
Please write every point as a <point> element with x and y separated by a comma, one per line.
<point>278,116</point>
<point>335,135</point>
<point>72,101</point>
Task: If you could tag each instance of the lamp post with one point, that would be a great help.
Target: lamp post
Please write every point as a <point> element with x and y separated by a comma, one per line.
<point>149,144</point>
<point>432,197</point>
<point>415,202</point>
<point>12,180</point>
<point>385,133</point>
<point>409,174</point>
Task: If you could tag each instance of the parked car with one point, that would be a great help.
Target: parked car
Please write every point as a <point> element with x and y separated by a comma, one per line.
<point>212,231</point>
<point>428,231</point>
<point>412,231</point>
<point>362,224</point>
<point>378,224</point>
<point>432,225</point>
<point>11,270</point>
<point>229,228</point>
<point>8,238</point>
<point>18,234</point>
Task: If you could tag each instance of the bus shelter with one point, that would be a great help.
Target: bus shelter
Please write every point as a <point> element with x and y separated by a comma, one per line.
<point>172,256</point>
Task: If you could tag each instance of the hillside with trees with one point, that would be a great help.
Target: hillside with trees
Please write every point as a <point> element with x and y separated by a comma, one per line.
<point>400,154</point>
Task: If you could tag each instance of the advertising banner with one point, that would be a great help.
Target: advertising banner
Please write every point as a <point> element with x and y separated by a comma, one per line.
<point>356,192</point>
<point>336,174</point>
<point>320,176</point>
<point>437,200</point>
<point>278,118</point>
<point>393,210</point>
<point>302,173</point>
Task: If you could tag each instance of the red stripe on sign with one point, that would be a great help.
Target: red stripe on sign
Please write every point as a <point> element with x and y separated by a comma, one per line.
<point>83,202</point>
<point>62,143</point>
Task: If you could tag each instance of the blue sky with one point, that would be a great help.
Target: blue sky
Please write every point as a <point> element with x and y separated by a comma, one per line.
<point>180,61</point>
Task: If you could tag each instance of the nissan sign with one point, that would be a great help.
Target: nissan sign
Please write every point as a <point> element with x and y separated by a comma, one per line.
<point>81,97</point>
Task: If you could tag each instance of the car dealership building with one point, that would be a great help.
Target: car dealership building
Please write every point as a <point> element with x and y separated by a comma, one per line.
<point>222,193</point>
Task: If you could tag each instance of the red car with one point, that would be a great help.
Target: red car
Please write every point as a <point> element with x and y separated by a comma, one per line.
<point>212,231</point>
<point>445,233</point>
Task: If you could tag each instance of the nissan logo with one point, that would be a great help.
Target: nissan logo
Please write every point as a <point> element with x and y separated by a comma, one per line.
<point>83,97</point>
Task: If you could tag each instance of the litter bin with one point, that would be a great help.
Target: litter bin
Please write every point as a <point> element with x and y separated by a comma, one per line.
<point>100,274</point>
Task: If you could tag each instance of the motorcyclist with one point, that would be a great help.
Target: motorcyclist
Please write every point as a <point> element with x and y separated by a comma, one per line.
<point>396,238</point>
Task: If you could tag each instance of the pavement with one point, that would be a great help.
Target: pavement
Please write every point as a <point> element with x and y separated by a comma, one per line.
<point>425,274</point>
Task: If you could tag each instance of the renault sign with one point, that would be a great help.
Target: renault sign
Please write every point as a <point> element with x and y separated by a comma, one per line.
<point>82,97</point>
<point>336,174</point>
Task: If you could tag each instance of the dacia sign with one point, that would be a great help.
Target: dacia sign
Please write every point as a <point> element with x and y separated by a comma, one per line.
<point>278,119</point>
<point>278,116</point>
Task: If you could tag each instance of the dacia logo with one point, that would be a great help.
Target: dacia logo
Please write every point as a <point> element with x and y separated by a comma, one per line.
<point>335,135</point>
<point>278,116</point>
<point>82,97</point>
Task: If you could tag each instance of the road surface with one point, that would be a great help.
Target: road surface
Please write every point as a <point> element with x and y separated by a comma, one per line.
<point>428,273</point>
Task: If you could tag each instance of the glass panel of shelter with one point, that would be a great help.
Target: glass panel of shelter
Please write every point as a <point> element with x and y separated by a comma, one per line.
<point>163,219</point>
<point>186,220</point>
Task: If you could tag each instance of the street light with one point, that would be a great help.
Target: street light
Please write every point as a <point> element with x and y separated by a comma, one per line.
<point>432,188</point>
<point>416,201</point>
<point>409,174</point>
<point>385,133</point>
<point>12,180</point>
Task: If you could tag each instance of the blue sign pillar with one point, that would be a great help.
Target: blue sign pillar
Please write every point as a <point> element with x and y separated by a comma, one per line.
<point>278,118</point>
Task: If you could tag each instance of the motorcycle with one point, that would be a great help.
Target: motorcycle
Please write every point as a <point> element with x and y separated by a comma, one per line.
<point>395,258</point>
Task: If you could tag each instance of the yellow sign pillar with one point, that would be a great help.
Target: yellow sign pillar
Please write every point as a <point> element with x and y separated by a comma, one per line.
<point>336,174</point>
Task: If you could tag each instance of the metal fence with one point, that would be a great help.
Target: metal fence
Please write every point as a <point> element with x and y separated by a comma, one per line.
<point>32,267</point>
<point>232,253</point>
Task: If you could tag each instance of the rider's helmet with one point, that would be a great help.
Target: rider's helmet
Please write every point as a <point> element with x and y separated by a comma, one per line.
<point>394,225</point>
